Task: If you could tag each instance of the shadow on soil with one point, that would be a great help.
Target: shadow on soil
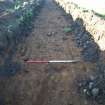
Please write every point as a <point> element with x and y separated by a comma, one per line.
<point>92,86</point>
<point>90,50</point>
<point>9,67</point>
<point>18,36</point>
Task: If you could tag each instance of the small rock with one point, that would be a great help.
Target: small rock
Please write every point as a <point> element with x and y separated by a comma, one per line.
<point>49,34</point>
<point>92,77</point>
<point>91,85</point>
<point>64,38</point>
<point>88,93</point>
<point>84,90</point>
<point>53,33</point>
<point>95,91</point>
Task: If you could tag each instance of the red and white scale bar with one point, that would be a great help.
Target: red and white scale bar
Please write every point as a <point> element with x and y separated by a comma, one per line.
<point>52,61</point>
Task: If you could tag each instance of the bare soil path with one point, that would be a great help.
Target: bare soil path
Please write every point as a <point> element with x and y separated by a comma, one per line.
<point>49,84</point>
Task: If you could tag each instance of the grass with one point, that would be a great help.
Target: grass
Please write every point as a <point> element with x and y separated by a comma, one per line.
<point>67,29</point>
<point>100,15</point>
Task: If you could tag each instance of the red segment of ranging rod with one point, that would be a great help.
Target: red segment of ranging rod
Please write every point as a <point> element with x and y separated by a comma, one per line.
<point>37,61</point>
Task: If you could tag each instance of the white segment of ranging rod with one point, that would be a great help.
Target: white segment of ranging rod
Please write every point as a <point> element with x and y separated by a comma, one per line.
<point>63,61</point>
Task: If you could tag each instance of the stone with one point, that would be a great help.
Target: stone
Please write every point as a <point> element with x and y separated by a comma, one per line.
<point>92,78</point>
<point>64,38</point>
<point>95,92</point>
<point>91,85</point>
<point>91,52</point>
<point>84,90</point>
<point>49,34</point>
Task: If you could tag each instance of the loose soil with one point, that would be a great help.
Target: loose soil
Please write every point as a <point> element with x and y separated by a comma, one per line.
<point>48,84</point>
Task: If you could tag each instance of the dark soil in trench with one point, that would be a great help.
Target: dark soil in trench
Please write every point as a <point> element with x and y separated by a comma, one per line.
<point>49,84</point>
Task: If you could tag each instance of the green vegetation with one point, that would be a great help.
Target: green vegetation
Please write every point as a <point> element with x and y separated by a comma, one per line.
<point>15,25</point>
<point>67,29</point>
<point>102,16</point>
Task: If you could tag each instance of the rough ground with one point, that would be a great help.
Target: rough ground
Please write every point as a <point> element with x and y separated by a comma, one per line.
<point>48,84</point>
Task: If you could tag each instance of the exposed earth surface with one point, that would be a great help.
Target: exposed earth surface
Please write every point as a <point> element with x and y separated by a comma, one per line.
<point>52,38</point>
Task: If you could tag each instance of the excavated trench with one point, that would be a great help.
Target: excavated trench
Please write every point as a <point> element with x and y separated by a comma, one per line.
<point>54,84</point>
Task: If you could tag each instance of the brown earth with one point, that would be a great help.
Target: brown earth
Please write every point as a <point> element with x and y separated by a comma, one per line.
<point>48,84</point>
